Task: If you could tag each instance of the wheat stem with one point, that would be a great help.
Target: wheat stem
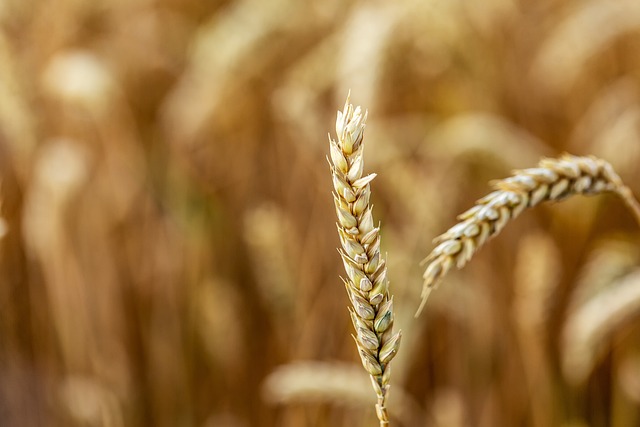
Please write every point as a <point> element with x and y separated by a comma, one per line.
<point>553,180</point>
<point>366,282</point>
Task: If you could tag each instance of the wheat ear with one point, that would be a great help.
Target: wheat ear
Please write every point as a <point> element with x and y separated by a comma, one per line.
<point>553,179</point>
<point>366,283</point>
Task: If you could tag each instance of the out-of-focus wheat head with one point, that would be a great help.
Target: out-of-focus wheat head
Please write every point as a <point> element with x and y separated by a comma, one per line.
<point>552,180</point>
<point>606,297</point>
<point>335,382</point>
<point>366,283</point>
<point>588,325</point>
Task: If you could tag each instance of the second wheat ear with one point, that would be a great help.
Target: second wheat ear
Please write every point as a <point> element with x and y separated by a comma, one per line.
<point>552,180</point>
<point>367,284</point>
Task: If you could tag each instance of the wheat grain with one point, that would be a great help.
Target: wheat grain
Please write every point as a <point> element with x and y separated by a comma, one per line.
<point>553,180</point>
<point>366,283</point>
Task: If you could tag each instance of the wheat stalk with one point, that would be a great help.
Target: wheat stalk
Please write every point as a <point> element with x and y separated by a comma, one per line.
<point>366,283</point>
<point>553,180</point>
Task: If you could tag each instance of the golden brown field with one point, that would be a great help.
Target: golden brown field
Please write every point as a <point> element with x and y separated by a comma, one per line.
<point>168,252</point>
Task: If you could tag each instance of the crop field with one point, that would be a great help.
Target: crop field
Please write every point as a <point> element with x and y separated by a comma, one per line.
<point>168,246</point>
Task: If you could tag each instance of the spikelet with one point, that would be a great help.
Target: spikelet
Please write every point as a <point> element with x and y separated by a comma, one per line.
<point>552,180</point>
<point>366,283</point>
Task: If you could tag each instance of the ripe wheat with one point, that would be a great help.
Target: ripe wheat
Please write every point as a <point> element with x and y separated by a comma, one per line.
<point>366,283</point>
<point>553,179</point>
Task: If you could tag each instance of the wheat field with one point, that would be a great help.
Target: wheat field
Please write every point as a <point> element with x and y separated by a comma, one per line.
<point>168,230</point>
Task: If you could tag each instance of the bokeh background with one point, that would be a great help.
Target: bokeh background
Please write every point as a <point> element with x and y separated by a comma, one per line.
<point>169,250</point>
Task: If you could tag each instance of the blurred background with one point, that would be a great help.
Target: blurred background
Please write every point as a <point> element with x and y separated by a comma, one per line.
<point>168,252</point>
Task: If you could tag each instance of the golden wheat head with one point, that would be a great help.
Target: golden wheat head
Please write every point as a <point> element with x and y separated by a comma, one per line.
<point>552,180</point>
<point>366,282</point>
